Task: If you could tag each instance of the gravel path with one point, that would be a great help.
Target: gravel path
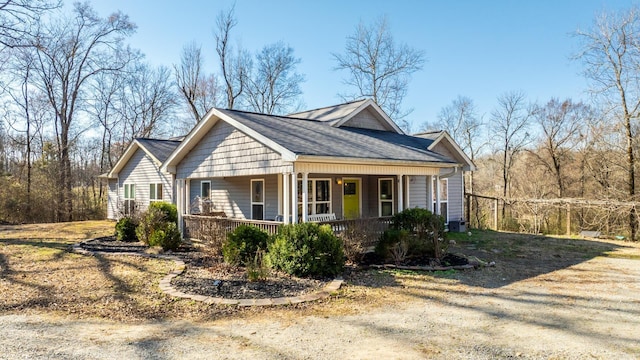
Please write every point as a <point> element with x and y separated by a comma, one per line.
<point>589,310</point>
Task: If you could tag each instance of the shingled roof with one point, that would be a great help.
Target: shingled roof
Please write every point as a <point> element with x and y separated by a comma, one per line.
<point>315,138</point>
<point>159,148</point>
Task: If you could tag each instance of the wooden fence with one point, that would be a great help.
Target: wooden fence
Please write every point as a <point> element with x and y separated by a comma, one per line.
<point>550,216</point>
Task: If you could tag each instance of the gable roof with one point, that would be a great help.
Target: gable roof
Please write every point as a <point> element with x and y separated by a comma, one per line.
<point>443,137</point>
<point>157,149</point>
<point>297,139</point>
<point>337,115</point>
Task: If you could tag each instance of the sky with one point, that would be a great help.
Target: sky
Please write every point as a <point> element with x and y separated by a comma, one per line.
<point>477,49</point>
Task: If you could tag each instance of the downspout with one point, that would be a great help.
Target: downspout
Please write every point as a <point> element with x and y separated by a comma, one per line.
<point>448,175</point>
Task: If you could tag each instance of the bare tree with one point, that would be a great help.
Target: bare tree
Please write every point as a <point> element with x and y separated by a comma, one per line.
<point>72,51</point>
<point>274,87</point>
<point>562,125</point>
<point>378,67</point>
<point>611,57</point>
<point>147,101</point>
<point>19,19</point>
<point>509,122</point>
<point>234,67</point>
<point>200,92</point>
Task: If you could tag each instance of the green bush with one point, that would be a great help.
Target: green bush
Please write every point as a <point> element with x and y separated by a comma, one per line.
<point>169,210</point>
<point>421,231</point>
<point>167,237</point>
<point>243,243</point>
<point>306,249</point>
<point>158,226</point>
<point>126,229</point>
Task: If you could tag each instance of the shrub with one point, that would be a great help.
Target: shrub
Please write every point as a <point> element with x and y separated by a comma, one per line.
<point>169,210</point>
<point>258,269</point>
<point>306,249</point>
<point>243,243</point>
<point>357,236</point>
<point>422,231</point>
<point>158,226</point>
<point>167,237</point>
<point>126,229</point>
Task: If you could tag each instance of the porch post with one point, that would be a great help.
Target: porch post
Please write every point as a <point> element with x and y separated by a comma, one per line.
<point>305,197</point>
<point>400,193</point>
<point>437,209</point>
<point>187,196</point>
<point>286,194</point>
<point>180,203</point>
<point>429,204</point>
<point>294,197</point>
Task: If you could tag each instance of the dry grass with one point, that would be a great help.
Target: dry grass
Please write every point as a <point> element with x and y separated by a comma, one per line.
<point>39,274</point>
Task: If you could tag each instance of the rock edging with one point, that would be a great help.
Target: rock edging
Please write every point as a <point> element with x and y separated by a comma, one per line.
<point>167,288</point>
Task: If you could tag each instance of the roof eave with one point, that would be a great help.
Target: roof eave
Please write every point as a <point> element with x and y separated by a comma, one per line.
<point>372,161</point>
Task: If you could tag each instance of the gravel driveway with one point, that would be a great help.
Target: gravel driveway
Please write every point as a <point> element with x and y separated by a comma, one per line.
<point>588,310</point>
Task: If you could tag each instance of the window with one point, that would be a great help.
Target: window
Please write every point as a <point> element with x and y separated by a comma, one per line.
<point>155,192</point>
<point>385,197</point>
<point>129,198</point>
<point>205,189</point>
<point>257,199</point>
<point>318,196</point>
<point>444,198</point>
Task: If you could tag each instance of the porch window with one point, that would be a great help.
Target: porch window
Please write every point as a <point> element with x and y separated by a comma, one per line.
<point>129,198</point>
<point>385,197</point>
<point>318,196</point>
<point>205,189</point>
<point>444,198</point>
<point>155,192</point>
<point>257,199</point>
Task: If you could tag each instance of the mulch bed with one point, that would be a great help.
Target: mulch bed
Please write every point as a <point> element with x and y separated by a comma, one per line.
<point>209,276</point>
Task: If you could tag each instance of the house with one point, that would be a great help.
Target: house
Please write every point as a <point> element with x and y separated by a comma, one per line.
<point>136,179</point>
<point>354,160</point>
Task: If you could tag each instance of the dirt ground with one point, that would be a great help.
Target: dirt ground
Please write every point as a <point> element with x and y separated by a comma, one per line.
<point>546,298</point>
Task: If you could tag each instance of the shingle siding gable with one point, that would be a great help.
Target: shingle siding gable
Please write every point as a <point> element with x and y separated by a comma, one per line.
<point>226,151</point>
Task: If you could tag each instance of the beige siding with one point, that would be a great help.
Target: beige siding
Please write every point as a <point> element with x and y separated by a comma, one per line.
<point>112,199</point>
<point>456,198</point>
<point>233,195</point>
<point>142,171</point>
<point>418,192</point>
<point>366,119</point>
<point>444,150</point>
<point>226,151</point>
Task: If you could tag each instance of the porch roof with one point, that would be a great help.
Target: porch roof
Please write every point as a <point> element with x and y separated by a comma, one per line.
<point>313,138</point>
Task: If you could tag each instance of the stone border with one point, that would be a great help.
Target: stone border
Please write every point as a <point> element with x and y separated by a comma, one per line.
<point>167,288</point>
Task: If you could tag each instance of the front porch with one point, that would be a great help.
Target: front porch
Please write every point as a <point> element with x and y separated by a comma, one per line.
<point>372,192</point>
<point>214,229</point>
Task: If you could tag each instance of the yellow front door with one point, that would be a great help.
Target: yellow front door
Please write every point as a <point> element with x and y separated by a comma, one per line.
<point>351,198</point>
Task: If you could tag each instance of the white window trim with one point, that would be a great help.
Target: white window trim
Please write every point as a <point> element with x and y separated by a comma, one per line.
<point>201,186</point>
<point>312,202</point>
<point>127,208</point>
<point>446,201</point>
<point>264,195</point>
<point>156,198</point>
<point>380,200</point>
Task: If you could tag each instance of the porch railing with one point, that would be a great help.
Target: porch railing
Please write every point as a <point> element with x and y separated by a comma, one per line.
<point>215,229</point>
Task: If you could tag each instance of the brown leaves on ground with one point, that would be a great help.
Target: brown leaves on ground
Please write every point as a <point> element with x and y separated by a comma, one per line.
<point>39,273</point>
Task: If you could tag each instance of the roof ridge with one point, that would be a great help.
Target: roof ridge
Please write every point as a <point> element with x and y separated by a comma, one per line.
<point>330,106</point>
<point>272,115</point>
<point>156,139</point>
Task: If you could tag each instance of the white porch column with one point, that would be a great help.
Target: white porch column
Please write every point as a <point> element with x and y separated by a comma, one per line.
<point>437,209</point>
<point>180,203</point>
<point>429,204</point>
<point>294,197</point>
<point>286,195</point>
<point>187,196</point>
<point>407,192</point>
<point>400,193</point>
<point>305,197</point>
